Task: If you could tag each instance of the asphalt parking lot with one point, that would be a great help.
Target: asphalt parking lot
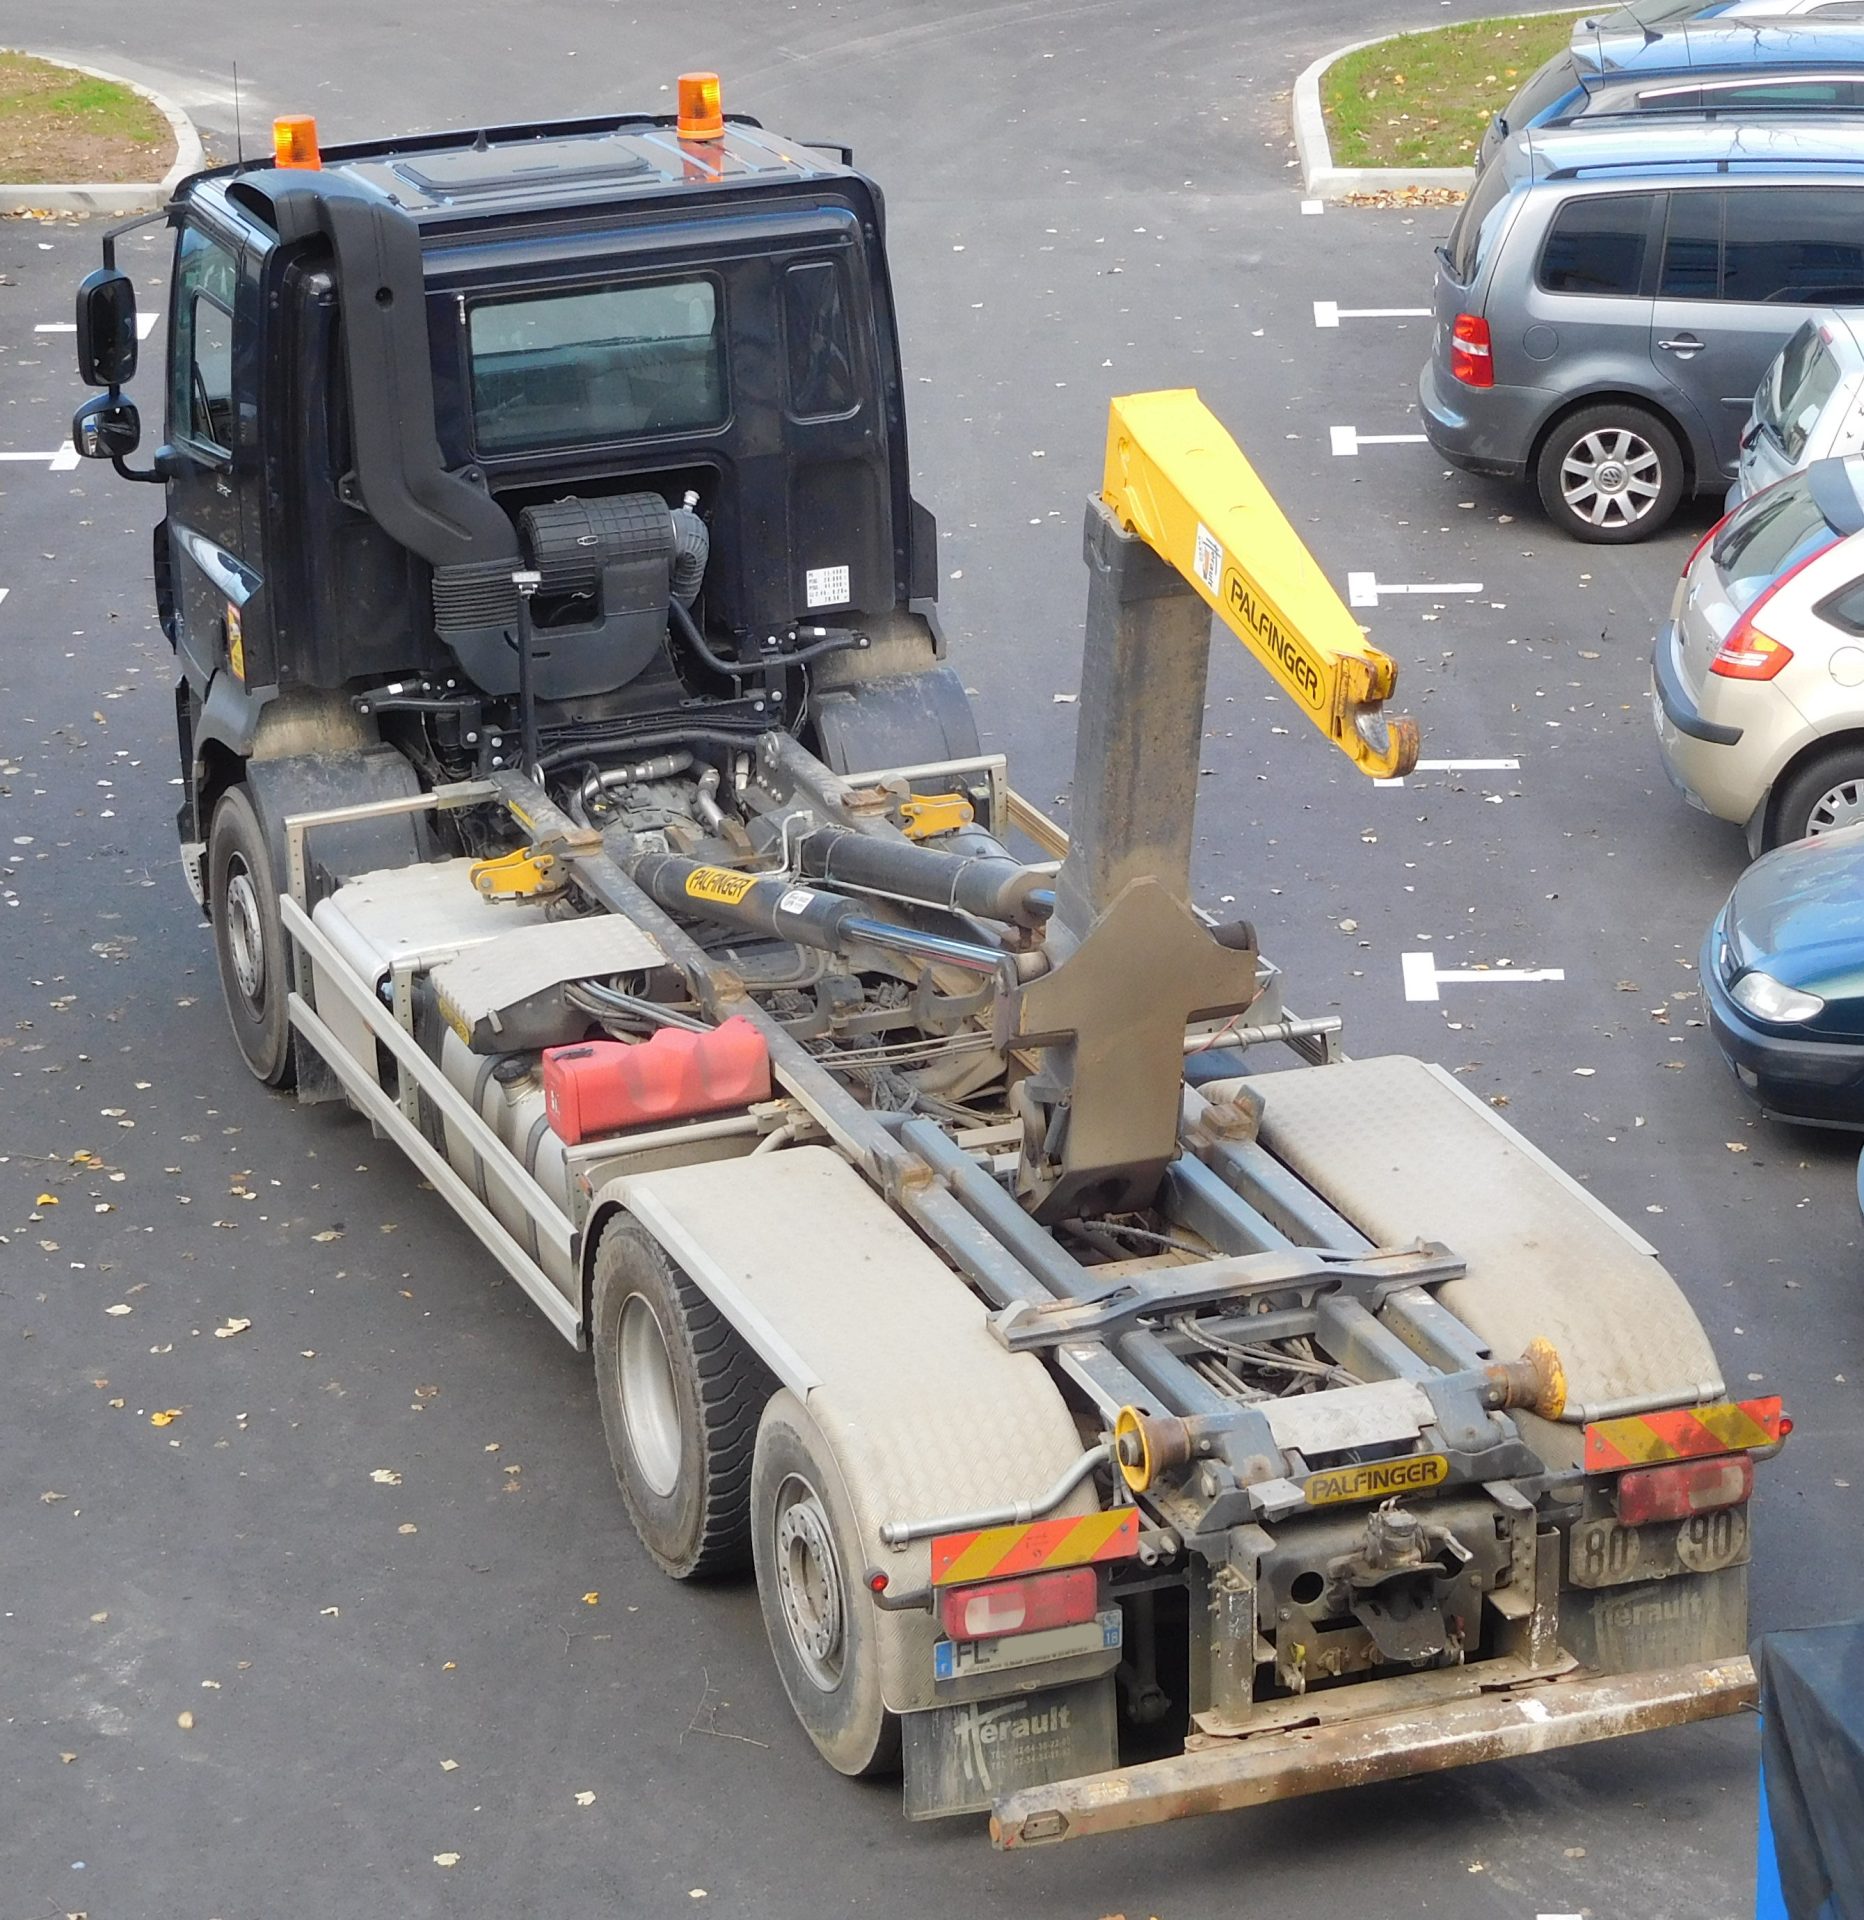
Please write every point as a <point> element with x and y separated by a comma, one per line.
<point>242,1672</point>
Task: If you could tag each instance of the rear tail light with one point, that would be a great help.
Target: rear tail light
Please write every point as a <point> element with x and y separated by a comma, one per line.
<point>1750,654</point>
<point>1690,1486</point>
<point>1470,360</point>
<point>1003,1607</point>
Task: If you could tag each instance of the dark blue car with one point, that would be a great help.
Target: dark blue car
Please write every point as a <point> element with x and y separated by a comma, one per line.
<point>1783,980</point>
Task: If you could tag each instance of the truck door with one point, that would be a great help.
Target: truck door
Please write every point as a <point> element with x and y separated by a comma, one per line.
<point>212,390</point>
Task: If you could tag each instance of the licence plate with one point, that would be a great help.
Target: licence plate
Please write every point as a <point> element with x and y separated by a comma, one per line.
<point>1601,1553</point>
<point>954,1659</point>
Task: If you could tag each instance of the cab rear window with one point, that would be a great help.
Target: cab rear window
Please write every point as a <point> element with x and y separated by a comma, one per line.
<point>596,364</point>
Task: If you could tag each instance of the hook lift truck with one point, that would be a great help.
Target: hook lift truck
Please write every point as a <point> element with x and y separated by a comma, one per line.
<point>1094,1364</point>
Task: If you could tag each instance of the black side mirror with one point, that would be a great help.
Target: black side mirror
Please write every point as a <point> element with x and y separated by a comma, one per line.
<point>106,328</point>
<point>107,428</point>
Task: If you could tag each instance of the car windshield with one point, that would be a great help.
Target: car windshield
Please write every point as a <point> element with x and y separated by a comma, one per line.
<point>1796,388</point>
<point>1778,528</point>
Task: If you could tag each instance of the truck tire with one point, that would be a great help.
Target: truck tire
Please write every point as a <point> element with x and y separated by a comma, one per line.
<point>680,1395</point>
<point>1610,474</point>
<point>249,938</point>
<point>817,1611</point>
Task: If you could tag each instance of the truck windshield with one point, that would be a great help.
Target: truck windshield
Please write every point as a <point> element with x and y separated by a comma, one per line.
<point>596,364</point>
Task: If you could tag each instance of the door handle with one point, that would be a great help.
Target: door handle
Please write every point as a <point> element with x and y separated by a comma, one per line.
<point>1684,343</point>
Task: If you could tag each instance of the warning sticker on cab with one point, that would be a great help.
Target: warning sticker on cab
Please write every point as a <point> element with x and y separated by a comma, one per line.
<point>1378,1481</point>
<point>718,883</point>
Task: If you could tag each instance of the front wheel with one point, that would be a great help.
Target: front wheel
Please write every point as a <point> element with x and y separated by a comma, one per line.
<point>1610,475</point>
<point>1824,795</point>
<point>249,938</point>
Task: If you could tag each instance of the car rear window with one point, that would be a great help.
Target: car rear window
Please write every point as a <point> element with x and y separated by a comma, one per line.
<point>1796,388</point>
<point>1543,93</point>
<point>1477,224</point>
<point>1597,245</point>
<point>1776,529</point>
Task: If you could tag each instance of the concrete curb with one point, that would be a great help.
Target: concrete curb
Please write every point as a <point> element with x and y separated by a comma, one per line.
<point>132,197</point>
<point>1325,181</point>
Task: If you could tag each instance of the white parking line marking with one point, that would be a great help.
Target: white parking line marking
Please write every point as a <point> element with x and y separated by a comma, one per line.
<point>59,460</point>
<point>1364,589</point>
<point>1455,766</point>
<point>145,325</point>
<point>1422,975</point>
<point>1329,313</point>
<point>1313,206</point>
<point>4,591</point>
<point>1348,440</point>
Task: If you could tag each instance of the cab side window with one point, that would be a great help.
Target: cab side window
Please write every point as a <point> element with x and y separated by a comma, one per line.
<point>200,406</point>
<point>815,325</point>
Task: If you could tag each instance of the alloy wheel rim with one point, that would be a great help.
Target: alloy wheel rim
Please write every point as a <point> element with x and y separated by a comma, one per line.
<point>1611,477</point>
<point>649,1407</point>
<point>809,1583</point>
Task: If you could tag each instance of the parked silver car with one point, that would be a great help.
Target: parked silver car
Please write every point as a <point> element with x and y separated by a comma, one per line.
<point>1809,405</point>
<point>1611,294</point>
<point>1757,677</point>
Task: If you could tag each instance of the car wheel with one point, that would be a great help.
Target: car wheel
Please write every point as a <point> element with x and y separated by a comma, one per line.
<point>249,938</point>
<point>1825,794</point>
<point>1610,475</point>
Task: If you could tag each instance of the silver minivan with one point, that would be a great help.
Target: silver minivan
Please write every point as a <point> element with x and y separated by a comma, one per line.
<point>1809,405</point>
<point>1611,294</point>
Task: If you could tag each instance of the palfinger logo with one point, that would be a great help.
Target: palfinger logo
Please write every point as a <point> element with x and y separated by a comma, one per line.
<point>1290,653</point>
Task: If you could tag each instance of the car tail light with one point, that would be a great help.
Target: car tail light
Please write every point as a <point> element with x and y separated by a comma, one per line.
<point>1470,360</point>
<point>1003,1607</point>
<point>1690,1486</point>
<point>1748,653</point>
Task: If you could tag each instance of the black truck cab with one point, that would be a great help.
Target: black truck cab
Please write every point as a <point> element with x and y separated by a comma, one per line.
<point>608,406</point>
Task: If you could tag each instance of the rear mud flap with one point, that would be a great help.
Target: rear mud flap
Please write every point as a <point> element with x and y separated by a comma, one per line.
<point>963,1759</point>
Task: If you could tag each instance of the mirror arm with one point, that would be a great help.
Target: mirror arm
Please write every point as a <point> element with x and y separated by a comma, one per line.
<point>136,473</point>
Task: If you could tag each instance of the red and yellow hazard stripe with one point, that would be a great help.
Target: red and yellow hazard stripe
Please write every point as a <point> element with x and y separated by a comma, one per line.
<point>995,1553</point>
<point>1682,1433</point>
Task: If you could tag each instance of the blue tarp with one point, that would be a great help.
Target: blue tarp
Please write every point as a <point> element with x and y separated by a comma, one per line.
<point>1812,1763</point>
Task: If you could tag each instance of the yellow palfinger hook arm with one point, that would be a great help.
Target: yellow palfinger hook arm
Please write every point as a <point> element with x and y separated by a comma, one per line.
<point>1177,480</point>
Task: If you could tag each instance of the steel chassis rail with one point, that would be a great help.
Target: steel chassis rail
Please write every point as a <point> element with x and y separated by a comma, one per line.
<point>1216,1775</point>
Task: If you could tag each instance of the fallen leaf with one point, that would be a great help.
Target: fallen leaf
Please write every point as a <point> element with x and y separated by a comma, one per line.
<point>1735,1146</point>
<point>185,1721</point>
<point>590,1599</point>
<point>120,1307</point>
<point>67,1758</point>
<point>49,1499</point>
<point>328,1234</point>
<point>166,1417</point>
<point>1585,1073</point>
<point>385,1477</point>
<point>585,1799</point>
<point>231,1328</point>
<point>407,1526</point>
<point>330,1613</point>
<point>449,1766</point>
<point>46,1200</point>
<point>446,1859</point>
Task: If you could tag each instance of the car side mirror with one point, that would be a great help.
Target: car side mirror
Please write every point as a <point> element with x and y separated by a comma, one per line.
<point>106,328</point>
<point>107,428</point>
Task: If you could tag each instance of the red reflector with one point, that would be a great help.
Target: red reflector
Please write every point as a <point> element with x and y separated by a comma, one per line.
<point>1691,1486</point>
<point>1020,1606</point>
<point>1470,359</point>
<point>605,1085</point>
